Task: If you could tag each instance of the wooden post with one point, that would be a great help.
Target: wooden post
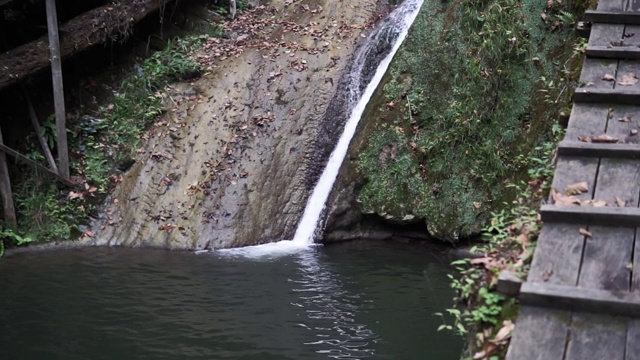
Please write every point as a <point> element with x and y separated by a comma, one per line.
<point>232,8</point>
<point>58,90</point>
<point>38,129</point>
<point>5,191</point>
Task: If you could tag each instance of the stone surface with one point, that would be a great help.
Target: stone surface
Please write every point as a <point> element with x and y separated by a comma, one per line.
<point>257,177</point>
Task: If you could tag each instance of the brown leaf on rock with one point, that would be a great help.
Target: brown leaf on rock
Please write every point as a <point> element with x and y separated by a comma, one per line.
<point>577,188</point>
<point>585,232</point>
<point>620,202</point>
<point>608,77</point>
<point>628,79</point>
<point>561,199</point>
<point>626,118</point>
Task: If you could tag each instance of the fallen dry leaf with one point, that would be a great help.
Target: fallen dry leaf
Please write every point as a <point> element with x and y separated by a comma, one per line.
<point>523,240</point>
<point>75,195</point>
<point>505,332</point>
<point>608,77</point>
<point>585,232</point>
<point>626,118</point>
<point>577,188</point>
<point>604,139</point>
<point>564,200</point>
<point>620,202</point>
<point>633,132</point>
<point>628,79</point>
<point>594,203</point>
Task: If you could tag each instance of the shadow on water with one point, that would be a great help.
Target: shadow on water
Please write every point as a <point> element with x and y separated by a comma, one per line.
<point>352,301</point>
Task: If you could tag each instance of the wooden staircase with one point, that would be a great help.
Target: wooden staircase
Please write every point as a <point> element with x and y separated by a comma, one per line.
<point>582,297</point>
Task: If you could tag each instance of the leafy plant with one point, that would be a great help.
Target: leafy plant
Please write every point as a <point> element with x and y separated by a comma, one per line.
<point>12,236</point>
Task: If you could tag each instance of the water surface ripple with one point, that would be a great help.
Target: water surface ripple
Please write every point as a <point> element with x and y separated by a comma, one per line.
<point>353,301</point>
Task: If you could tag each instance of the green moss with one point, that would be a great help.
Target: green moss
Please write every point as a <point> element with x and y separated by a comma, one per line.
<point>467,86</point>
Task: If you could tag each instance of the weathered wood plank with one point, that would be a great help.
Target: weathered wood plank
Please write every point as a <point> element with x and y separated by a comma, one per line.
<point>593,71</point>
<point>624,303</point>
<point>571,170</point>
<point>628,69</point>
<point>612,5</point>
<point>540,334</point>
<point>612,17</point>
<point>633,345</point>
<point>596,215</point>
<point>606,263</point>
<point>608,252</point>
<point>596,337</point>
<point>613,52</point>
<point>614,96</point>
<point>559,251</point>
<point>577,148</point>
<point>558,254</point>
<point>605,34</point>
<point>587,120</point>
<point>623,119</point>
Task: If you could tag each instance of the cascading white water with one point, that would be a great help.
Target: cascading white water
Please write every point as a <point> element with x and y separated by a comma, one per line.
<point>396,26</point>
<point>393,30</point>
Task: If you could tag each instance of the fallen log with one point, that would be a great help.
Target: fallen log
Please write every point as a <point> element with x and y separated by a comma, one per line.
<point>112,21</point>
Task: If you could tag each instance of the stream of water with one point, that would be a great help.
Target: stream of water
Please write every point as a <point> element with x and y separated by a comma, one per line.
<point>392,31</point>
<point>359,300</point>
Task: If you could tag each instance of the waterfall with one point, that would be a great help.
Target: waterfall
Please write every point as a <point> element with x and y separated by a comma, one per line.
<point>364,77</point>
<point>388,37</point>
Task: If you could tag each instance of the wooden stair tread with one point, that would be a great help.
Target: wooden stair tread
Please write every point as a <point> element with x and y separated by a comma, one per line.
<point>592,215</point>
<point>575,298</point>
<point>603,150</point>
<point>614,96</point>
<point>612,17</point>
<point>614,52</point>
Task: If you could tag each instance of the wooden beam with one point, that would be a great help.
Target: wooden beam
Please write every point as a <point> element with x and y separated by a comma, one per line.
<point>613,96</point>
<point>612,17</point>
<point>58,89</point>
<point>579,148</point>
<point>9,151</point>
<point>91,28</point>
<point>592,215</point>
<point>575,298</point>
<point>38,130</point>
<point>5,191</point>
<point>614,52</point>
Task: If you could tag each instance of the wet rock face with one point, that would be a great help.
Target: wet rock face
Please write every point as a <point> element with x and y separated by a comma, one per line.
<point>232,164</point>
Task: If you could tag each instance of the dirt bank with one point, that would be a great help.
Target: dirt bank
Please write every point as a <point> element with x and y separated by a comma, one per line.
<point>232,162</point>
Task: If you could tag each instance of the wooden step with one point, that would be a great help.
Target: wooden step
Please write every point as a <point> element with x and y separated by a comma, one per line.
<point>614,52</point>
<point>588,149</point>
<point>592,215</point>
<point>564,297</point>
<point>612,17</point>
<point>612,96</point>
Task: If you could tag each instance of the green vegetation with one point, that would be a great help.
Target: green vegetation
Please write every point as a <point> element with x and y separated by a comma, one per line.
<point>454,132</point>
<point>98,146</point>
<point>508,243</point>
